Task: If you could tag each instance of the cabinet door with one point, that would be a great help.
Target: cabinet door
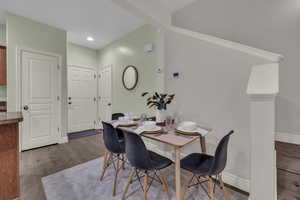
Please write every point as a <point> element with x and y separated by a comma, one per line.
<point>2,65</point>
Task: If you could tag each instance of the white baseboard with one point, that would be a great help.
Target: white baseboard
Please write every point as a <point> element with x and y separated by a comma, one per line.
<point>63,140</point>
<point>237,182</point>
<point>288,137</point>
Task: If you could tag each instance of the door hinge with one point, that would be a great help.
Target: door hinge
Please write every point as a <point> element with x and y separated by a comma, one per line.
<point>58,129</point>
<point>58,98</point>
<point>94,122</point>
<point>58,67</point>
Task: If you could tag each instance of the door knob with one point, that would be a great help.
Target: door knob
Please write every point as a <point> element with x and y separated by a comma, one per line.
<point>70,102</point>
<point>109,104</point>
<point>25,107</point>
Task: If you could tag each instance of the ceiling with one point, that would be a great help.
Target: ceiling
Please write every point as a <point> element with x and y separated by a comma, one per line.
<point>101,19</point>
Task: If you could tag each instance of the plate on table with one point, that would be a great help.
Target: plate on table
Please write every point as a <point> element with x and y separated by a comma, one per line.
<point>183,131</point>
<point>154,130</point>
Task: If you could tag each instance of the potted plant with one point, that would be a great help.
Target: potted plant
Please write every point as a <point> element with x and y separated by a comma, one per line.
<point>160,102</point>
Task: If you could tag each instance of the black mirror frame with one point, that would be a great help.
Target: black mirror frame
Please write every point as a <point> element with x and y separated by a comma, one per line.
<point>136,75</point>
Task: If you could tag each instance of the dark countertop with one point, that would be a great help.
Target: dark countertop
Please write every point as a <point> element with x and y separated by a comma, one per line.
<point>10,117</point>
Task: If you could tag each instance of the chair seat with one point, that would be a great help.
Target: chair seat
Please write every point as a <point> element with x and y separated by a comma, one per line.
<point>197,163</point>
<point>158,162</point>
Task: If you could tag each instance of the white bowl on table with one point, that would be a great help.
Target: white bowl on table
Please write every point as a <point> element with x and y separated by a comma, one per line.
<point>187,126</point>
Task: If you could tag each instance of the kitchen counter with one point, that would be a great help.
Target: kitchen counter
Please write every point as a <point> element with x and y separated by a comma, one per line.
<point>9,155</point>
<point>10,117</point>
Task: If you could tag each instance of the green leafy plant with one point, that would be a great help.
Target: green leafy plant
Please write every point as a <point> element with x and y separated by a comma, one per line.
<point>158,101</point>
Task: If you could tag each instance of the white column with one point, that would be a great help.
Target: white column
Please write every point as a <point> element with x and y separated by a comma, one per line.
<point>263,87</point>
<point>263,155</point>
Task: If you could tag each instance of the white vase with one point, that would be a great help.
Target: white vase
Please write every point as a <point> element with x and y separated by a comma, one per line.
<point>160,115</point>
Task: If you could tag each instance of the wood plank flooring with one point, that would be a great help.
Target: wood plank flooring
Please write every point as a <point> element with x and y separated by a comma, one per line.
<point>41,162</point>
<point>288,171</point>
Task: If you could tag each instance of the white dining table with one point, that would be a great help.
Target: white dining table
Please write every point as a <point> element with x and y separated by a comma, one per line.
<point>175,140</point>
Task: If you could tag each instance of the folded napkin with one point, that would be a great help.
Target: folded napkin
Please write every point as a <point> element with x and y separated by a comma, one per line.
<point>117,123</point>
<point>140,130</point>
<point>202,131</point>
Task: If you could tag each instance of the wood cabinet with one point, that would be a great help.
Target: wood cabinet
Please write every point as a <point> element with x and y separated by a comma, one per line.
<point>2,65</point>
<point>9,156</point>
<point>288,171</point>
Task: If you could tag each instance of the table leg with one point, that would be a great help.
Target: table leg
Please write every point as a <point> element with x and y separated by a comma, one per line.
<point>203,144</point>
<point>177,174</point>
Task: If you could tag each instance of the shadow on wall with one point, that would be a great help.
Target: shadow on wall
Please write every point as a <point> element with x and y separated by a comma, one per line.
<point>291,112</point>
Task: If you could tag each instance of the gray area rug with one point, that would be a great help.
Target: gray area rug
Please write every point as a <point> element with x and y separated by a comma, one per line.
<point>82,183</point>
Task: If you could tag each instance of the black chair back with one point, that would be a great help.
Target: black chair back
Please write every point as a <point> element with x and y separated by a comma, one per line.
<point>136,151</point>
<point>111,140</point>
<point>220,158</point>
<point>116,116</point>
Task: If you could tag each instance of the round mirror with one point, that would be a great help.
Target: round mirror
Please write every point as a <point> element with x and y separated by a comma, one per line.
<point>130,77</point>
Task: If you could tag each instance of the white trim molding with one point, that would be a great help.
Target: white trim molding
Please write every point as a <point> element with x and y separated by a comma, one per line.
<point>63,140</point>
<point>288,137</point>
<point>263,87</point>
<point>236,181</point>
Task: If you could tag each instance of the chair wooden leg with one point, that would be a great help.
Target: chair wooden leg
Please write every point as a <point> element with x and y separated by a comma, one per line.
<point>107,159</point>
<point>123,161</point>
<point>225,194</point>
<point>186,188</point>
<point>115,178</point>
<point>211,189</point>
<point>146,184</point>
<point>133,171</point>
<point>165,186</point>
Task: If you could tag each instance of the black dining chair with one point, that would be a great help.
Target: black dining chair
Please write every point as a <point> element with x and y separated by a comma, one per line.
<point>143,163</point>
<point>115,116</point>
<point>208,167</point>
<point>115,152</point>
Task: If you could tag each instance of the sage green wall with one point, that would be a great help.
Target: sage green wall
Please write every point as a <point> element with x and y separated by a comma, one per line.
<point>23,32</point>
<point>2,34</point>
<point>129,50</point>
<point>82,56</point>
<point>3,43</point>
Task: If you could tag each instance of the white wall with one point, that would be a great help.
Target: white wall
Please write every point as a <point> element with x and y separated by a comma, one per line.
<point>129,50</point>
<point>82,56</point>
<point>268,24</point>
<point>25,33</point>
<point>211,90</point>
<point>3,34</point>
<point>3,43</point>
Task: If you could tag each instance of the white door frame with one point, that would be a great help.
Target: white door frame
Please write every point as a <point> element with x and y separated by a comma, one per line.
<point>19,52</point>
<point>98,91</point>
<point>97,81</point>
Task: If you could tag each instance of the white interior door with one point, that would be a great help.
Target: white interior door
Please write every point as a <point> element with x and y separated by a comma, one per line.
<point>40,99</point>
<point>105,100</point>
<point>82,98</point>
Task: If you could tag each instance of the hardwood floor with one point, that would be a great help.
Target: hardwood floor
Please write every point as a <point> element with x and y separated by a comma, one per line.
<point>41,162</point>
<point>288,171</point>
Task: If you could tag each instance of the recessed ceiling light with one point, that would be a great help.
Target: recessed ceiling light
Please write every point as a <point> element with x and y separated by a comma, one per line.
<point>91,39</point>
